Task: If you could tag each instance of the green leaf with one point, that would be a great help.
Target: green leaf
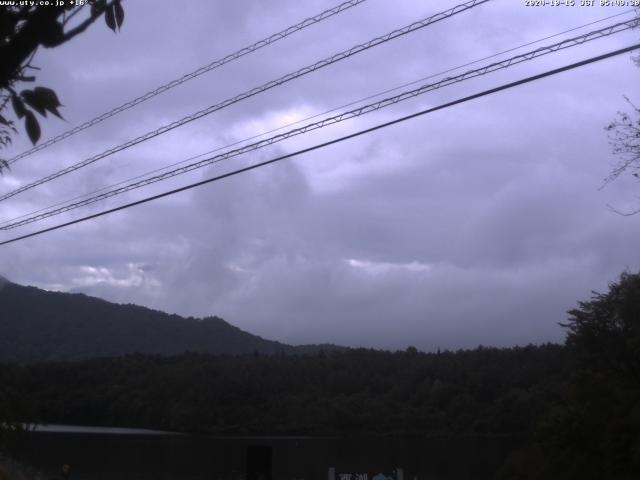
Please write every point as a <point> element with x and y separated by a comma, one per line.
<point>49,96</point>
<point>31,99</point>
<point>119,13</point>
<point>42,99</point>
<point>110,18</point>
<point>32,126</point>
<point>48,99</point>
<point>18,106</point>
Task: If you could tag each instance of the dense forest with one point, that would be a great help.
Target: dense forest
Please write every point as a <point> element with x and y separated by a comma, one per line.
<point>576,406</point>
<point>357,392</point>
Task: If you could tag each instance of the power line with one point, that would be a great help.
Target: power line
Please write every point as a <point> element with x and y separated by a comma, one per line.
<point>568,43</point>
<point>334,141</point>
<point>267,86</point>
<point>464,65</point>
<point>311,117</point>
<point>196,73</point>
<point>335,119</point>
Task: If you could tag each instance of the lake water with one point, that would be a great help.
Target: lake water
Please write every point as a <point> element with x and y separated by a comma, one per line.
<point>133,454</point>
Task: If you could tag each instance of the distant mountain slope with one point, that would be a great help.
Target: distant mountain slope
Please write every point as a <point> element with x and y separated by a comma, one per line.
<point>37,325</point>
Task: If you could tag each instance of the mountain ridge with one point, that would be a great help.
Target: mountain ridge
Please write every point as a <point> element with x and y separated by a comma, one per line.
<point>39,325</point>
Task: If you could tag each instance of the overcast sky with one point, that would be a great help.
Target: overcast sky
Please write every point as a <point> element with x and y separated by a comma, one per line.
<point>478,224</point>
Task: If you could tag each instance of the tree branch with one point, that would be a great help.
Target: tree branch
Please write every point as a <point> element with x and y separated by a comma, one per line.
<point>624,214</point>
<point>82,26</point>
<point>72,14</point>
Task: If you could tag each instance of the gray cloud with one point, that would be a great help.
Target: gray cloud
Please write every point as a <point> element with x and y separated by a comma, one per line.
<point>478,224</point>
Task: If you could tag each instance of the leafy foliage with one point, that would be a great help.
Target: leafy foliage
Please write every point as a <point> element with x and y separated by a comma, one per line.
<point>605,331</point>
<point>595,432</point>
<point>7,129</point>
<point>113,14</point>
<point>24,27</point>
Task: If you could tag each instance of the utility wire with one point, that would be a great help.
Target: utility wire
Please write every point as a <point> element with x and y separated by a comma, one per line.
<point>372,107</point>
<point>190,76</point>
<point>291,124</point>
<point>334,141</point>
<point>311,117</point>
<point>267,86</point>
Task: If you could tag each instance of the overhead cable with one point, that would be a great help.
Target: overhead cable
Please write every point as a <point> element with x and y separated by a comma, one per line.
<point>254,91</point>
<point>331,142</point>
<point>372,107</point>
<point>191,75</point>
<point>311,117</point>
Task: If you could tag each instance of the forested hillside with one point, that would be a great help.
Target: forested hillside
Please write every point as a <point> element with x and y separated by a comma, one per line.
<point>37,325</point>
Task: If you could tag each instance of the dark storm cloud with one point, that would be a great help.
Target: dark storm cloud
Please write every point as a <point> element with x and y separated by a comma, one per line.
<point>477,224</point>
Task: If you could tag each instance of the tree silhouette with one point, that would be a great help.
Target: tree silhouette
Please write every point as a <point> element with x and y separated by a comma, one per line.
<point>605,331</point>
